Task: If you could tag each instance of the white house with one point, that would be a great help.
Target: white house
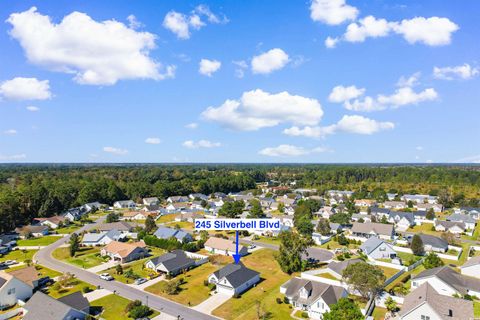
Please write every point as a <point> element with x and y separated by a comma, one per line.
<point>102,238</point>
<point>450,226</point>
<point>12,290</point>
<point>402,220</point>
<point>397,205</point>
<point>124,204</point>
<point>51,222</point>
<point>471,267</point>
<point>152,201</point>
<point>224,247</point>
<point>375,248</point>
<point>233,279</point>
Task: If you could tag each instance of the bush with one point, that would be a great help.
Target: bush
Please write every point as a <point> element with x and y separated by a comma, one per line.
<point>133,304</point>
<point>138,312</point>
<point>285,300</point>
<point>86,289</point>
<point>279,300</point>
<point>304,315</point>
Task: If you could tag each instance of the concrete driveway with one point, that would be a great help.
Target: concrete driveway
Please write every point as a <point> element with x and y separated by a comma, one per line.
<point>103,266</point>
<point>212,303</point>
<point>148,283</point>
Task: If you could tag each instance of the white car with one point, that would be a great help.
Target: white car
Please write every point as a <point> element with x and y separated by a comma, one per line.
<point>10,262</point>
<point>140,281</point>
<point>106,277</point>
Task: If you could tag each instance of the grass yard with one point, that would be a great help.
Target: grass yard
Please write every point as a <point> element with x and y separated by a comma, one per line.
<point>112,307</point>
<point>86,257</point>
<point>41,241</point>
<point>166,218</point>
<point>18,255</point>
<point>182,224</point>
<point>332,245</point>
<point>379,313</point>
<point>76,285</point>
<point>266,291</point>
<point>326,275</point>
<point>425,228</point>
<point>269,240</point>
<point>42,271</point>
<point>476,309</point>
<point>193,291</point>
<point>68,229</point>
<point>388,272</point>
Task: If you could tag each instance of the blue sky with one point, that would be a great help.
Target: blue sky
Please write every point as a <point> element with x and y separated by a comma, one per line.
<point>81,82</point>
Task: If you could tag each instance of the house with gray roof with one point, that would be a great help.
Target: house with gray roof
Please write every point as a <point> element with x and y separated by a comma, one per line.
<point>233,279</point>
<point>426,303</point>
<point>102,238</point>
<point>433,243</point>
<point>122,226</point>
<point>402,220</point>
<point>371,229</point>
<point>376,248</point>
<point>471,211</point>
<point>447,281</point>
<point>125,204</point>
<point>167,233</point>
<point>335,268</point>
<point>13,289</point>
<point>314,297</point>
<point>41,306</point>
<point>471,268</point>
<point>450,226</point>
<point>171,263</point>
<point>468,220</point>
<point>152,201</point>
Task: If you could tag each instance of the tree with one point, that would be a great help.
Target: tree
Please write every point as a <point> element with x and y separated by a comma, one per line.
<point>150,225</point>
<point>281,207</point>
<point>232,209</point>
<point>417,245</point>
<point>304,225</point>
<point>323,227</point>
<point>391,304</point>
<point>74,244</point>
<point>367,279</point>
<point>432,261</point>
<point>449,237</point>
<point>119,269</point>
<point>430,214</point>
<point>292,246</point>
<point>112,217</point>
<point>384,220</point>
<point>342,240</point>
<point>341,218</point>
<point>344,309</point>
<point>256,210</point>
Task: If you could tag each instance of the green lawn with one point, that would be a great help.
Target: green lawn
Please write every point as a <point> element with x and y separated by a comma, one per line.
<point>193,291</point>
<point>266,291</point>
<point>76,285</point>
<point>425,228</point>
<point>388,272</point>
<point>269,240</point>
<point>86,257</point>
<point>41,241</point>
<point>166,218</point>
<point>326,275</point>
<point>182,224</point>
<point>113,307</point>
<point>68,229</point>
<point>332,244</point>
<point>42,271</point>
<point>18,255</point>
<point>379,313</point>
<point>476,309</point>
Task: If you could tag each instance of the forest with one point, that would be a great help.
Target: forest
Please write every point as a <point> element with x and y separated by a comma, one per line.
<point>28,191</point>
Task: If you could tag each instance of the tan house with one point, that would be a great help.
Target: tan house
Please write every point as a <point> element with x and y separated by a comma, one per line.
<point>137,215</point>
<point>224,247</point>
<point>125,252</point>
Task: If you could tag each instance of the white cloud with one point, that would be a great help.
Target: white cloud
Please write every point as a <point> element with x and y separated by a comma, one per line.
<point>349,124</point>
<point>201,144</point>
<point>33,108</point>
<point>13,157</point>
<point>97,53</point>
<point>332,12</point>
<point>368,27</point>
<point>410,81</point>
<point>192,125</point>
<point>286,150</point>
<point>368,104</point>
<point>419,148</point>
<point>331,42</point>
<point>153,140</point>
<point>209,67</point>
<point>116,151</point>
<point>341,94</point>
<point>25,89</point>
<point>272,60</point>
<point>133,23</point>
<point>405,96</point>
<point>180,23</point>
<point>258,109</point>
<point>10,132</point>
<point>470,159</point>
<point>464,72</point>
<point>240,70</point>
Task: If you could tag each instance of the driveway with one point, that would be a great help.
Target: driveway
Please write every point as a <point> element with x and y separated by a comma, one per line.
<point>103,266</point>
<point>212,303</point>
<point>148,283</point>
<point>97,294</point>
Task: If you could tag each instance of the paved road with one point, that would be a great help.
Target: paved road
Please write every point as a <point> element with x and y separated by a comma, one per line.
<point>44,257</point>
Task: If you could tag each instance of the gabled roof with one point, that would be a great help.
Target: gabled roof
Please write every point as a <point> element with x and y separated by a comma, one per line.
<point>222,244</point>
<point>454,279</point>
<point>167,233</point>
<point>119,225</point>
<point>378,228</point>
<point>450,224</point>
<point>433,241</point>
<point>329,293</point>
<point>75,300</point>
<point>27,275</point>
<point>371,244</point>
<point>338,267</point>
<point>236,274</point>
<point>407,215</point>
<point>461,218</point>
<point>123,249</point>
<point>43,307</point>
<point>459,309</point>
<point>173,260</point>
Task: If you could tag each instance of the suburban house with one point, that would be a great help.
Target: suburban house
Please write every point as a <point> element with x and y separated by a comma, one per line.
<point>336,268</point>
<point>367,230</point>
<point>171,263</point>
<point>177,206</point>
<point>320,239</point>
<point>124,252</point>
<point>379,212</point>
<point>450,226</point>
<point>233,279</point>
<point>195,196</point>
<point>364,202</point>
<point>469,221</point>
<point>436,207</point>
<point>376,248</point>
<point>51,222</point>
<point>92,206</point>
<point>358,217</point>
<point>420,217</point>
<point>174,199</point>
<point>35,231</point>
<point>426,303</point>
<point>402,220</point>
<point>137,215</point>
<point>448,282</point>
<point>12,290</point>
<point>473,212</point>
<point>74,214</point>
<point>121,226</point>
<point>312,296</point>
<point>432,243</point>
<point>42,306</point>
<point>29,275</point>
<point>325,212</point>
<point>419,198</point>
<point>339,193</point>
<point>124,204</point>
<point>167,233</point>
<point>397,205</point>
<point>471,267</point>
<point>102,238</point>
<point>224,247</point>
<point>188,217</point>
<point>153,201</point>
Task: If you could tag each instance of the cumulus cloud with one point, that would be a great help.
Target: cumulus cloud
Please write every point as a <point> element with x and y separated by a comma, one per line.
<point>341,94</point>
<point>181,24</point>
<point>97,53</point>
<point>13,157</point>
<point>192,125</point>
<point>190,144</point>
<point>32,108</point>
<point>241,65</point>
<point>405,96</point>
<point>153,140</point>
<point>464,72</point>
<point>10,132</point>
<point>25,89</point>
<point>409,81</point>
<point>258,109</point>
<point>209,67</point>
<point>419,148</point>
<point>332,12</point>
<point>367,104</point>
<point>287,150</point>
<point>354,124</point>
<point>115,151</point>
<point>433,31</point>
<point>272,60</point>
<point>133,23</point>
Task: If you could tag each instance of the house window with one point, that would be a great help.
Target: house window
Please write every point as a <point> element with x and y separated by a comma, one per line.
<point>414,283</point>
<point>11,291</point>
<point>425,317</point>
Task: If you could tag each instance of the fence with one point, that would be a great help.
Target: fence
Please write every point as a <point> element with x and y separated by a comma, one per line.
<point>309,276</point>
<point>416,264</point>
<point>199,258</point>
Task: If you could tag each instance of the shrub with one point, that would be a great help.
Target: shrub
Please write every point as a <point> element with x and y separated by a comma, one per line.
<point>86,289</point>
<point>139,312</point>
<point>279,300</point>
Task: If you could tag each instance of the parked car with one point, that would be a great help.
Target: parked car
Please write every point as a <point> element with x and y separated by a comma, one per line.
<point>140,281</point>
<point>10,262</point>
<point>106,277</point>
<point>252,246</point>
<point>44,281</point>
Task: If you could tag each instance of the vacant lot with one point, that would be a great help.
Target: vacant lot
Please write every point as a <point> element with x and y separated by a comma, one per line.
<point>112,307</point>
<point>264,293</point>
<point>41,241</point>
<point>86,257</point>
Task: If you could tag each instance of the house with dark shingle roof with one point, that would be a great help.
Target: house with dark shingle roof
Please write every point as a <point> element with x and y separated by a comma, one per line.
<point>469,221</point>
<point>371,229</point>
<point>335,268</point>
<point>471,267</point>
<point>402,220</point>
<point>171,263</point>
<point>426,303</point>
<point>43,307</point>
<point>450,226</point>
<point>233,279</point>
<point>312,296</point>
<point>433,243</point>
